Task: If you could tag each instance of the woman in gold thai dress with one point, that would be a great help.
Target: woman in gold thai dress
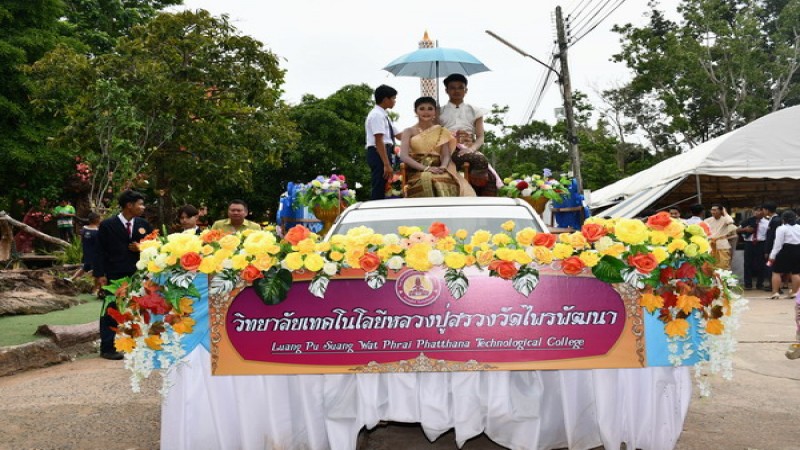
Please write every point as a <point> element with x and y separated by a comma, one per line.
<point>426,150</point>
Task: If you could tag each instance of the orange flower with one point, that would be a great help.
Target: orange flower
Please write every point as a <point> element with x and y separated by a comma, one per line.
<point>153,234</point>
<point>370,262</point>
<point>644,263</point>
<point>505,269</point>
<point>593,231</point>
<point>184,325</point>
<point>659,221</point>
<point>544,240</point>
<point>154,342</point>
<point>438,229</point>
<point>212,236</point>
<point>297,234</point>
<point>251,273</point>
<point>714,326</point>
<point>572,265</point>
<point>705,228</point>
<point>191,261</point>
<point>677,327</point>
<point>688,302</point>
<point>651,302</point>
<point>124,344</point>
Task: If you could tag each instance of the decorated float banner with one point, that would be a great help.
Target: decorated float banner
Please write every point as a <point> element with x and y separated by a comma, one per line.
<point>412,323</point>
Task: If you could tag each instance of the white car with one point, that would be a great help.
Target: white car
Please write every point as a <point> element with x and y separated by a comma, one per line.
<point>469,213</point>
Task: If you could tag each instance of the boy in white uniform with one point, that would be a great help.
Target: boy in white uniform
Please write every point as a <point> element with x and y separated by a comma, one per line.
<point>380,141</point>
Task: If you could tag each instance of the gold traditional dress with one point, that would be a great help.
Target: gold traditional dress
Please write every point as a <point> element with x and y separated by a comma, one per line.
<point>426,149</point>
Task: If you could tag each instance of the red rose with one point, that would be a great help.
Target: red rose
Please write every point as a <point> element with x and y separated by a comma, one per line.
<point>686,270</point>
<point>659,221</point>
<point>572,265</point>
<point>544,240</point>
<point>191,261</point>
<point>593,231</point>
<point>705,228</point>
<point>438,229</point>
<point>297,234</point>
<point>644,263</point>
<point>505,269</point>
<point>251,273</point>
<point>522,185</point>
<point>369,262</point>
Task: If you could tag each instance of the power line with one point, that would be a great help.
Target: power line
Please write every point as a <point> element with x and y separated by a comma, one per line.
<point>543,88</point>
<point>580,23</point>
<point>573,15</point>
<point>614,8</point>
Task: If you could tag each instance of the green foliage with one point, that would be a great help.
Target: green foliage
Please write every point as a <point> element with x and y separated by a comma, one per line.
<point>274,286</point>
<point>609,270</point>
<point>72,254</point>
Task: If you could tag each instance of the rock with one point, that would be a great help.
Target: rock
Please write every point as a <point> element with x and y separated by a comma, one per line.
<point>34,292</point>
<point>68,335</point>
<point>33,355</point>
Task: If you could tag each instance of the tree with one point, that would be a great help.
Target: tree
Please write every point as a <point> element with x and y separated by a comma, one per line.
<point>725,64</point>
<point>185,100</point>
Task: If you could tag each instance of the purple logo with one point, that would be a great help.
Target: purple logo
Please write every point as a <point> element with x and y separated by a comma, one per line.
<point>417,288</point>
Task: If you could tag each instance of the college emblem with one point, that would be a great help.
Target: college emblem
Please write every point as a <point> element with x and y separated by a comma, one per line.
<point>417,288</point>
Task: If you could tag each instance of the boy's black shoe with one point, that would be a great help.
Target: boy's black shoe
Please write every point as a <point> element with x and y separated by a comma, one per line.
<point>114,356</point>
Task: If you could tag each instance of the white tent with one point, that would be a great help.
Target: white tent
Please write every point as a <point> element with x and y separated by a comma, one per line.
<point>757,162</point>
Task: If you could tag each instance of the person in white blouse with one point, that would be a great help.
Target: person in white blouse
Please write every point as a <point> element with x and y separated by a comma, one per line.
<point>785,255</point>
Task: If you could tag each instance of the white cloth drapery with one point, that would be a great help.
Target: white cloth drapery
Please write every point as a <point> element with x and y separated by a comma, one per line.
<point>579,409</point>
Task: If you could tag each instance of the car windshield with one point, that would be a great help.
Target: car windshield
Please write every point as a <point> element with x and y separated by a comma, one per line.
<point>470,218</point>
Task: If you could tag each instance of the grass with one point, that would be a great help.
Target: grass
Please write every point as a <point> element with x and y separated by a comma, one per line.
<point>15,330</point>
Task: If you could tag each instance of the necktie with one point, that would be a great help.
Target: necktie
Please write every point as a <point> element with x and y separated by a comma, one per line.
<point>391,129</point>
<point>128,229</point>
<point>755,230</point>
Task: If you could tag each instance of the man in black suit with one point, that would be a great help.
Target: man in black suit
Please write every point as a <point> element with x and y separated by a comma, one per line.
<point>117,254</point>
<point>770,209</point>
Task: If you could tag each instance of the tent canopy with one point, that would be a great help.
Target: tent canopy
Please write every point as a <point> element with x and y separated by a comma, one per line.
<point>757,162</point>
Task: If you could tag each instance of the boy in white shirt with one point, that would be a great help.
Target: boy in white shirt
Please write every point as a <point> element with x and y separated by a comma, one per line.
<point>380,140</point>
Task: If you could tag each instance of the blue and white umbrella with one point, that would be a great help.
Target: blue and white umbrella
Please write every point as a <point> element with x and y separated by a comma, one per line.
<point>434,62</point>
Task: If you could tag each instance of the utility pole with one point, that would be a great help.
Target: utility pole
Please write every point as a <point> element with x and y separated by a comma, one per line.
<point>572,135</point>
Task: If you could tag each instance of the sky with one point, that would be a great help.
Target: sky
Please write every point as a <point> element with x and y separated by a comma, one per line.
<point>325,44</point>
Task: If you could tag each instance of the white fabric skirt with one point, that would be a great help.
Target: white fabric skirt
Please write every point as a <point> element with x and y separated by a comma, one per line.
<point>578,409</point>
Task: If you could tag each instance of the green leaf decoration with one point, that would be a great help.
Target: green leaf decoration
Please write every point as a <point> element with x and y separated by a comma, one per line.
<point>609,270</point>
<point>526,280</point>
<point>319,285</point>
<point>457,283</point>
<point>273,288</point>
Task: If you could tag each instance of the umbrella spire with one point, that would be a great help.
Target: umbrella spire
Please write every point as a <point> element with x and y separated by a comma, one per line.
<point>427,86</point>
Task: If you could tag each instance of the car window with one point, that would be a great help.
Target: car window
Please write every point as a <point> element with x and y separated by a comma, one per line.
<point>470,218</point>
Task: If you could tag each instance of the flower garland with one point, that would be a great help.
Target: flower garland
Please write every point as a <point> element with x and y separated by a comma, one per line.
<point>535,186</point>
<point>667,261</point>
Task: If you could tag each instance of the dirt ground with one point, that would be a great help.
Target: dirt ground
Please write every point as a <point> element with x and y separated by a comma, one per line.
<point>87,404</point>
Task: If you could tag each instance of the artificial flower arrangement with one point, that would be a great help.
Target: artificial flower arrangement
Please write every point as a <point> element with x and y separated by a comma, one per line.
<point>668,262</point>
<point>326,193</point>
<point>394,187</point>
<point>536,186</point>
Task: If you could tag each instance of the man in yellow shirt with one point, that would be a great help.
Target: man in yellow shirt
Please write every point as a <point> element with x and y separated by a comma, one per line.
<point>237,211</point>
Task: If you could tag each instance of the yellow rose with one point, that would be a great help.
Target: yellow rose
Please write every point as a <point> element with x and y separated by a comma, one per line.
<point>461,234</point>
<point>562,251</point>
<point>314,262</point>
<point>543,254</point>
<point>335,256</point>
<point>522,257</point>
<point>501,240</point>
<point>446,243</point>
<point>470,260</point>
<point>696,230</point>
<point>505,254</point>
<point>469,248</point>
<point>305,246</point>
<point>152,267</point>
<point>207,250</point>
<point>258,242</point>
<point>658,237</point>
<point>614,250</point>
<point>691,250</point>
<point>417,257</point>
<point>604,243</point>
<point>263,262</point>
<point>590,258</point>
<point>376,239</point>
<point>239,262</point>
<point>480,237</point>
<point>484,257</point>
<point>675,229</point>
<point>660,253</point>
<point>222,254</point>
<point>353,256</point>
<point>172,260</point>
<point>508,225</point>
<point>322,247</point>
<point>676,245</point>
<point>385,253</point>
<point>293,261</point>
<point>274,249</point>
<point>701,242</point>
<point>525,236</point>
<point>229,242</point>
<point>209,265</point>
<point>153,243</point>
<point>631,231</point>
<point>455,260</point>
<point>578,240</point>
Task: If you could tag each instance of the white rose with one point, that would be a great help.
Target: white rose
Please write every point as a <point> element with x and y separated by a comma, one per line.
<point>330,268</point>
<point>161,260</point>
<point>527,179</point>
<point>527,192</point>
<point>395,263</point>
<point>358,185</point>
<point>436,257</point>
<point>391,239</point>
<point>227,264</point>
<point>335,184</point>
<point>141,265</point>
<point>326,185</point>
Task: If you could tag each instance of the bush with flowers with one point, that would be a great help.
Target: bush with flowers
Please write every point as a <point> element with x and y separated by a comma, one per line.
<point>666,261</point>
<point>536,186</point>
<point>326,193</point>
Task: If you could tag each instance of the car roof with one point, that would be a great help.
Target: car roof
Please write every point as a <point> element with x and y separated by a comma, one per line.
<point>438,202</point>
